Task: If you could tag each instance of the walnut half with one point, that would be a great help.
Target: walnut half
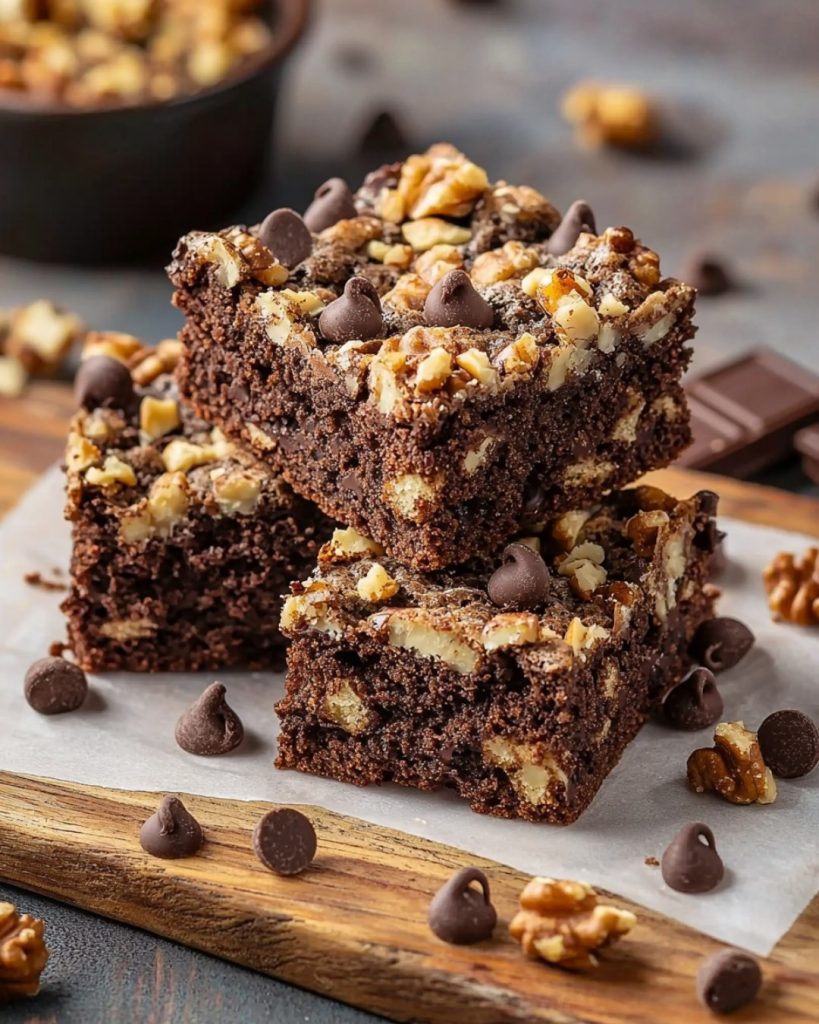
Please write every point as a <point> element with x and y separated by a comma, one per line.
<point>792,585</point>
<point>23,953</point>
<point>563,923</point>
<point>733,767</point>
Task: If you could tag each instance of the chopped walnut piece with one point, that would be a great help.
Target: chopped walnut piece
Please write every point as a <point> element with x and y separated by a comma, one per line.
<point>353,233</point>
<point>435,263</point>
<point>23,953</point>
<point>476,363</point>
<point>259,261</point>
<point>566,530</point>
<point>183,455</point>
<point>522,356</point>
<point>563,922</point>
<point>114,344</point>
<point>158,416</point>
<point>377,585</point>
<point>792,585</point>
<point>584,567</point>
<point>390,255</point>
<point>500,264</point>
<point>733,767</point>
<point>346,544</point>
<point>409,292</point>
<point>617,115</point>
<point>581,637</point>
<point>643,529</point>
<point>433,371</point>
<point>441,181</point>
<point>511,629</point>
<point>431,231</point>
<point>113,472</point>
<point>40,336</point>
<point>236,492</point>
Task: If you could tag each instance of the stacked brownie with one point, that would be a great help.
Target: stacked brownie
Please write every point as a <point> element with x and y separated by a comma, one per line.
<point>464,379</point>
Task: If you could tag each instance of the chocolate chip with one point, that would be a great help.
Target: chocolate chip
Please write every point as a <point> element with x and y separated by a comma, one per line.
<point>103,381</point>
<point>522,582</point>
<point>695,703</point>
<point>577,219</point>
<point>708,502</point>
<point>707,274</point>
<point>172,831</point>
<point>460,914</point>
<point>332,202</point>
<point>286,235</point>
<point>384,134</point>
<point>355,315</point>
<point>721,643</point>
<point>53,686</point>
<point>727,980</point>
<point>690,865</point>
<point>284,840</point>
<point>789,744</point>
<point>209,726</point>
<point>454,302</point>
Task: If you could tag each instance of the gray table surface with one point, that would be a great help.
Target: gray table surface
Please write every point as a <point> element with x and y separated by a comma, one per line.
<point>739,84</point>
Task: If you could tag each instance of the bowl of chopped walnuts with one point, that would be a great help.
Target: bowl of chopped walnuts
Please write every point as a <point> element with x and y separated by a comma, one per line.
<point>126,122</point>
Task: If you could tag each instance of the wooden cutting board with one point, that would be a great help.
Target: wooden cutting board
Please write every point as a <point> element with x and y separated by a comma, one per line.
<point>354,926</point>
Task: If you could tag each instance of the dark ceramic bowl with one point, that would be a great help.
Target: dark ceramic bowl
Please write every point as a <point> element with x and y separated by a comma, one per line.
<point>96,185</point>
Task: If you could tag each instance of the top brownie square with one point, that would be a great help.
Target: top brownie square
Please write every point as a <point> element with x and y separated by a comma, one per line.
<point>438,360</point>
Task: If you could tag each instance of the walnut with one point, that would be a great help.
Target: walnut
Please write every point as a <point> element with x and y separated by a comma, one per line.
<point>353,233</point>
<point>617,115</point>
<point>23,953</point>
<point>792,585</point>
<point>566,530</point>
<point>412,629</point>
<point>258,259</point>
<point>114,344</point>
<point>433,371</point>
<point>40,336</point>
<point>183,455</point>
<point>390,255</point>
<point>476,363</point>
<point>158,416</point>
<point>511,259</point>
<point>346,544</point>
<point>584,567</point>
<point>643,528</point>
<point>409,495</point>
<point>431,231</point>
<point>236,492</point>
<point>148,364</point>
<point>390,206</point>
<point>13,377</point>
<point>563,923</point>
<point>440,181</point>
<point>435,263</point>
<point>649,498</point>
<point>582,638</point>
<point>552,287</point>
<point>521,356</point>
<point>531,768</point>
<point>377,585</point>
<point>409,293</point>
<point>733,767</point>
<point>511,629</point>
<point>113,472</point>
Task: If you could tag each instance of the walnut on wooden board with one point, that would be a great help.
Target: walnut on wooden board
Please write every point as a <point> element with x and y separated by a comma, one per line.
<point>563,922</point>
<point>733,767</point>
<point>792,584</point>
<point>23,953</point>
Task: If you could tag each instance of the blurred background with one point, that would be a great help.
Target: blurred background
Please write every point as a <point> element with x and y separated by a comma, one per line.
<point>730,171</point>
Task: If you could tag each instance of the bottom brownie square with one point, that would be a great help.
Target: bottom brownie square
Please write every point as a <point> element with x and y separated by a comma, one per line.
<point>183,543</point>
<point>519,685</point>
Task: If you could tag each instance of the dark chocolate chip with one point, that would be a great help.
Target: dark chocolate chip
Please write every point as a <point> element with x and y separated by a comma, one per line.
<point>332,202</point>
<point>53,686</point>
<point>355,315</point>
<point>728,980</point>
<point>454,302</point>
<point>384,134</point>
<point>286,235</point>
<point>721,643</point>
<point>103,381</point>
<point>172,831</point>
<point>708,502</point>
<point>521,582</point>
<point>789,744</point>
<point>460,914</point>
<point>691,865</point>
<point>695,703</point>
<point>577,219</point>
<point>707,274</point>
<point>284,840</point>
<point>209,726</point>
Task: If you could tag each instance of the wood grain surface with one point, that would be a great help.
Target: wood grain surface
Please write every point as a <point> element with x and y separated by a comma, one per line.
<point>354,927</point>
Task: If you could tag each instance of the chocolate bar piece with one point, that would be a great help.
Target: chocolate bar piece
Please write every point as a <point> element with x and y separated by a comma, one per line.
<point>745,414</point>
<point>806,443</point>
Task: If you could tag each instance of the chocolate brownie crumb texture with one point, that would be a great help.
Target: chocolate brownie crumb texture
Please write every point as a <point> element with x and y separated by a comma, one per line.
<point>183,542</point>
<point>496,379</point>
<point>522,707</point>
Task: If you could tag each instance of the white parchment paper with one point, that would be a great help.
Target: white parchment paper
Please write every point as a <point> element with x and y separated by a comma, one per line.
<point>123,737</point>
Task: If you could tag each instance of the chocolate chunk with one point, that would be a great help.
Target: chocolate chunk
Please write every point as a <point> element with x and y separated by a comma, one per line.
<point>745,414</point>
<point>721,643</point>
<point>284,840</point>
<point>103,381</point>
<point>172,831</point>
<point>286,235</point>
<point>789,743</point>
<point>332,202</point>
<point>727,980</point>
<point>694,703</point>
<point>53,686</point>
<point>384,135</point>
<point>691,865</point>
<point>707,274</point>
<point>708,502</point>
<point>460,914</point>
<point>454,302</point>
<point>521,582</point>
<point>209,726</point>
<point>577,219</point>
<point>355,315</point>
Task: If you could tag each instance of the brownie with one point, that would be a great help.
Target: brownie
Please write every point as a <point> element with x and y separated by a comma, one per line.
<point>182,542</point>
<point>484,380</point>
<point>446,680</point>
